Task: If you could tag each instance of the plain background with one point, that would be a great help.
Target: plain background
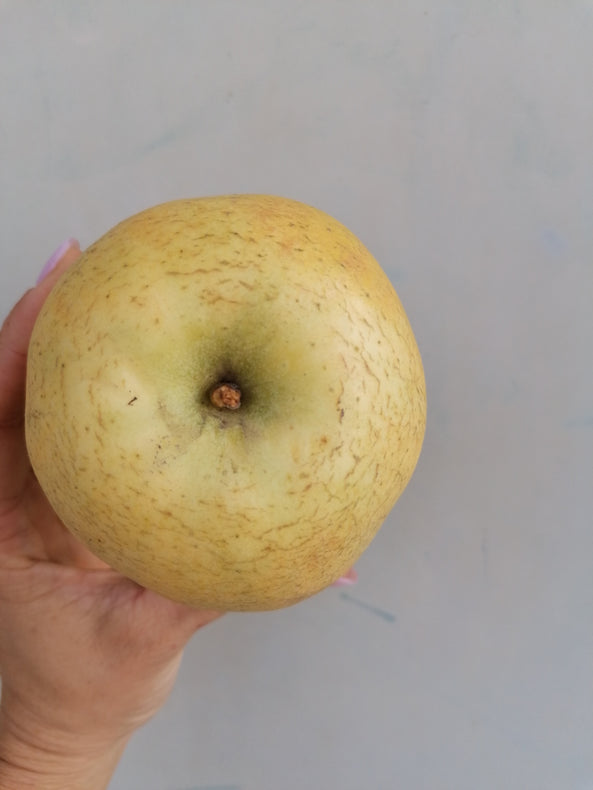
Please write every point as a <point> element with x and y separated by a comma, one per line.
<point>455,137</point>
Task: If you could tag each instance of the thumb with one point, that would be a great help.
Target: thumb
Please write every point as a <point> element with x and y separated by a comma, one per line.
<point>178,621</point>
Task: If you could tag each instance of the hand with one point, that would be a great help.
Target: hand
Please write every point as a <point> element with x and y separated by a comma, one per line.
<point>86,655</point>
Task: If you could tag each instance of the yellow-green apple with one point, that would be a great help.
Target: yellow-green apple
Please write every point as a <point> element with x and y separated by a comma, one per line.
<point>225,399</point>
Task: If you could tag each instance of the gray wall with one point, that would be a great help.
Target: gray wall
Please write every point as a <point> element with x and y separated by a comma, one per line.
<point>455,137</point>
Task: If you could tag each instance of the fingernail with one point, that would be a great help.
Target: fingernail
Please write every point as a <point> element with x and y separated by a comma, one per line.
<point>348,580</point>
<point>56,256</point>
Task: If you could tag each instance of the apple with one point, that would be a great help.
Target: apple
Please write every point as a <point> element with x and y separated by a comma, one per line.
<point>225,399</point>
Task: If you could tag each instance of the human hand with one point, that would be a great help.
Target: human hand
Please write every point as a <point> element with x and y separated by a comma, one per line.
<point>86,655</point>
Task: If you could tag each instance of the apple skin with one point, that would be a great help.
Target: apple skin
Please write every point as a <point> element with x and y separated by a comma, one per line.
<point>249,509</point>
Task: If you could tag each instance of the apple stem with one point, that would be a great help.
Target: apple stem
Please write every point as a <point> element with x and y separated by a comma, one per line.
<point>226,396</point>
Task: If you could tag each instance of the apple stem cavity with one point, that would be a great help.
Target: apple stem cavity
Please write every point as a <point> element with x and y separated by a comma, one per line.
<point>226,396</point>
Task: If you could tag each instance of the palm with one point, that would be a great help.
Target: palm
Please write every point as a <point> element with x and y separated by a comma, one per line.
<point>36,532</point>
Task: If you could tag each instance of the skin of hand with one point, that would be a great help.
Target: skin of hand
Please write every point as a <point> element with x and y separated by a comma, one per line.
<point>86,655</point>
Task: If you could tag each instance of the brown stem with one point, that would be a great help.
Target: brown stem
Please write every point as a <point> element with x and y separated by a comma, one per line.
<point>226,396</point>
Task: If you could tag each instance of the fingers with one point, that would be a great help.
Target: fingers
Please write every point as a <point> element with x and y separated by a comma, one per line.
<point>14,342</point>
<point>16,333</point>
<point>58,255</point>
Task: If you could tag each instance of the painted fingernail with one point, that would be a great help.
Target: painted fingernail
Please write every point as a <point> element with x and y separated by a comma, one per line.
<point>347,580</point>
<point>56,256</point>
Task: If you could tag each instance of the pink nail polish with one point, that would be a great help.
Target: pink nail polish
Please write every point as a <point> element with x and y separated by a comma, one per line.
<point>348,580</point>
<point>55,257</point>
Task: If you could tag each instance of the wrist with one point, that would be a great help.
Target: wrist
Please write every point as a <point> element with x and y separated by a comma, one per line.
<point>43,759</point>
